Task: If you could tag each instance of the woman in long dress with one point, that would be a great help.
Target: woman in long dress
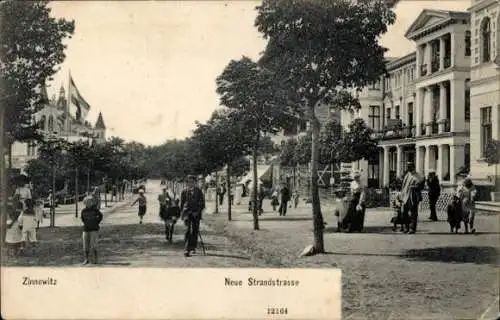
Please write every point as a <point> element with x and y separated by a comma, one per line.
<point>357,208</point>
<point>466,192</point>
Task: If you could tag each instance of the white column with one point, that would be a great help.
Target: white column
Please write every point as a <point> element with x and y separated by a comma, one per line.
<point>441,53</point>
<point>440,164</point>
<point>385,181</point>
<point>442,107</point>
<point>418,159</point>
<point>399,159</point>
<point>456,161</point>
<point>381,167</point>
<point>428,110</point>
<point>420,56</point>
<point>418,111</point>
<point>428,57</point>
<point>426,160</point>
<point>452,49</point>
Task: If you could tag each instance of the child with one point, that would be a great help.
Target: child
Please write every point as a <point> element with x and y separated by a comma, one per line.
<point>454,211</point>
<point>38,212</point>
<point>28,222</point>
<point>13,236</point>
<point>142,205</point>
<point>397,204</point>
<point>274,199</point>
<point>91,217</point>
<point>296,197</point>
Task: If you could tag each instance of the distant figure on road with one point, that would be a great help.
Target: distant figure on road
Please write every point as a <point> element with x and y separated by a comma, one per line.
<point>285,197</point>
<point>221,192</point>
<point>91,218</point>
<point>192,205</point>
<point>142,205</point>
<point>434,193</point>
<point>274,199</point>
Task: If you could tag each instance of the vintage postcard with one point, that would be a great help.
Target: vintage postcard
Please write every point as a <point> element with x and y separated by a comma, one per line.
<point>270,159</point>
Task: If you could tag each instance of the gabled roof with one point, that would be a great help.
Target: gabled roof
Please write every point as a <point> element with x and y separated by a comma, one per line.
<point>431,19</point>
<point>99,124</point>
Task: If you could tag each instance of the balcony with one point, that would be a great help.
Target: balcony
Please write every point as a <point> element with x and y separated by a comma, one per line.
<point>447,62</point>
<point>395,133</point>
<point>423,70</point>
<point>423,129</point>
<point>435,65</point>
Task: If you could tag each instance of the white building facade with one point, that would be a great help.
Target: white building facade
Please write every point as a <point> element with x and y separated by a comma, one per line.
<point>439,106</point>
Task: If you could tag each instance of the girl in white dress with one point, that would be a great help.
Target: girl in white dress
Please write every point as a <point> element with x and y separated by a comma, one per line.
<point>13,235</point>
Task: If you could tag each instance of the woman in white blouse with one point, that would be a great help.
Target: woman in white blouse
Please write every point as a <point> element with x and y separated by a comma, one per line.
<point>357,203</point>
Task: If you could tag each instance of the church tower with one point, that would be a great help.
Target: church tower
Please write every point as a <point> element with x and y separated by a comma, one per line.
<point>100,129</point>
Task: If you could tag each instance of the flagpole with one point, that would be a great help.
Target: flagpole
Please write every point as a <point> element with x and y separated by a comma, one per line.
<point>68,102</point>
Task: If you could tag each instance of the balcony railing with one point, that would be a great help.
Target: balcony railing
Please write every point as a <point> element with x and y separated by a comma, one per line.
<point>435,65</point>
<point>423,69</point>
<point>434,128</point>
<point>447,62</point>
<point>399,132</point>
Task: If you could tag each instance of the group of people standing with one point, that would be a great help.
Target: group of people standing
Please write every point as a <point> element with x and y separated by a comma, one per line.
<point>409,196</point>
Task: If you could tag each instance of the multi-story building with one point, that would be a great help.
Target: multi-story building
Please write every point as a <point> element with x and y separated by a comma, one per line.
<point>422,111</point>
<point>484,36</point>
<point>54,120</point>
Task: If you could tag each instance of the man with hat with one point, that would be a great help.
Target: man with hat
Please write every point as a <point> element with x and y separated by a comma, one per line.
<point>434,193</point>
<point>410,197</point>
<point>192,204</point>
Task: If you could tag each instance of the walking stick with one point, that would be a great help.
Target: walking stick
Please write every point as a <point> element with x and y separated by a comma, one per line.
<point>202,244</point>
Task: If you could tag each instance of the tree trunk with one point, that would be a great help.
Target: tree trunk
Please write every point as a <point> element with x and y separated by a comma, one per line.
<point>77,196</point>
<point>228,182</point>
<point>9,148</point>
<point>3,178</point>
<point>216,192</point>
<point>254,196</point>
<point>318,222</point>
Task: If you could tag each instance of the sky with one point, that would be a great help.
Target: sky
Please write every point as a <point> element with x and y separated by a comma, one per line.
<point>150,66</point>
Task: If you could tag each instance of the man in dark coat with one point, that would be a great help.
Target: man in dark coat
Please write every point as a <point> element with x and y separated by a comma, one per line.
<point>285,197</point>
<point>434,193</point>
<point>192,204</point>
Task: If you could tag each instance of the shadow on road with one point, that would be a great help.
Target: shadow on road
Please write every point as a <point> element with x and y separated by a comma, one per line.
<point>227,256</point>
<point>478,255</point>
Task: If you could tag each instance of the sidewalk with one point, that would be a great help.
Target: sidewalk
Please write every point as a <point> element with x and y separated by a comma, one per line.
<point>65,214</point>
<point>386,274</point>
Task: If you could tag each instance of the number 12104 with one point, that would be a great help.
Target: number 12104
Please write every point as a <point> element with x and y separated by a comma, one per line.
<point>277,311</point>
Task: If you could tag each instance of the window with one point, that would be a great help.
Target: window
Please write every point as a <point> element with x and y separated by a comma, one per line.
<point>410,114</point>
<point>388,115</point>
<point>374,117</point>
<point>42,123</point>
<point>303,125</point>
<point>31,149</point>
<point>486,130</point>
<point>51,124</point>
<point>467,100</point>
<point>486,40</point>
<point>396,112</point>
<point>467,43</point>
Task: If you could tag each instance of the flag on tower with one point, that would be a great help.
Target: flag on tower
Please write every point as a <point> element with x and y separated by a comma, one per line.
<point>78,107</point>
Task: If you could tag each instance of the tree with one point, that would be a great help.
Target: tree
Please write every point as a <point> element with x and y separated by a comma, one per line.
<point>492,157</point>
<point>258,105</point>
<point>331,134</point>
<point>323,50</point>
<point>357,143</point>
<point>221,141</point>
<point>302,154</point>
<point>31,45</point>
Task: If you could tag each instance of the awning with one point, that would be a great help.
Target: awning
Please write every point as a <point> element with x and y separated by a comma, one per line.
<point>263,174</point>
